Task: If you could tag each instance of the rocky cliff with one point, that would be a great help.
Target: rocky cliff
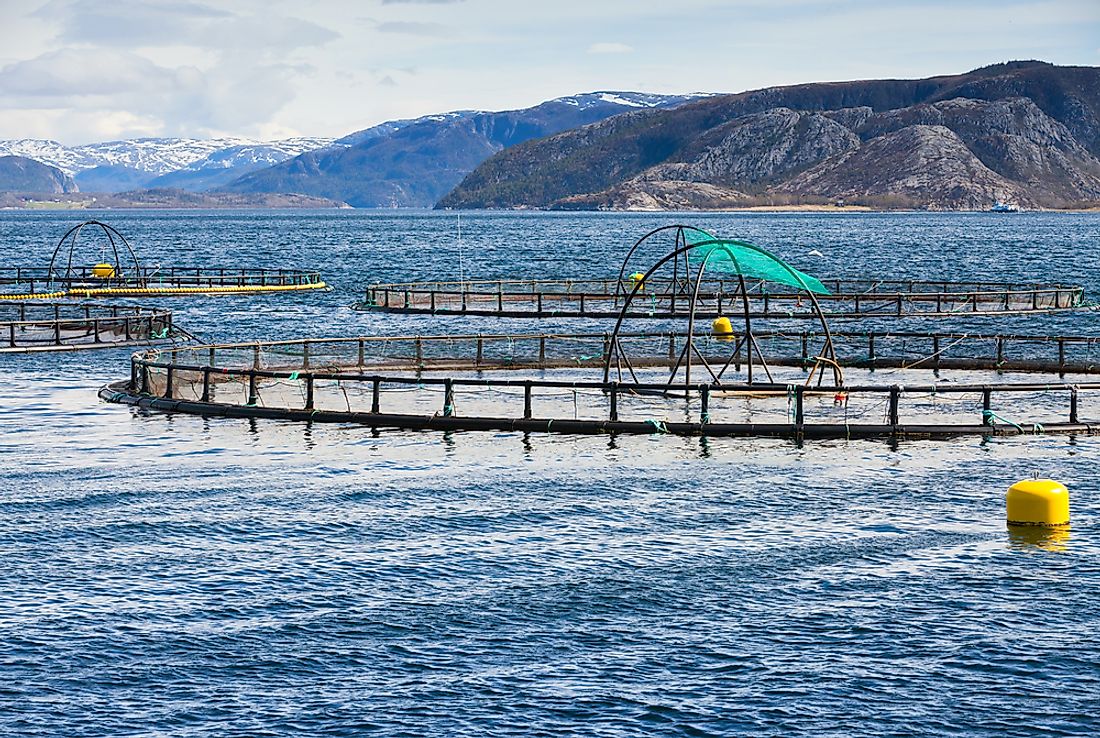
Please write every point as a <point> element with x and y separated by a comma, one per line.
<point>1027,132</point>
<point>19,174</point>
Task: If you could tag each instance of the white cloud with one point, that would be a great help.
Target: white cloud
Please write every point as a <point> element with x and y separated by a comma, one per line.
<point>137,24</point>
<point>609,47</point>
<point>140,97</point>
<point>160,67</point>
<point>71,69</point>
<point>413,28</point>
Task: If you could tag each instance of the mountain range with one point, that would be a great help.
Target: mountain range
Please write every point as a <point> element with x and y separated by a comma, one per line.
<point>113,166</point>
<point>400,163</point>
<point>416,162</point>
<point>1028,132</point>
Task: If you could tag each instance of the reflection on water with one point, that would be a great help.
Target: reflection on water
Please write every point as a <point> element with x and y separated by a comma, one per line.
<point>1039,536</point>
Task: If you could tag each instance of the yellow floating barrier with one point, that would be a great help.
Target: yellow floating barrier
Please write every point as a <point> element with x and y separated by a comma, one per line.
<point>38,296</point>
<point>228,290</point>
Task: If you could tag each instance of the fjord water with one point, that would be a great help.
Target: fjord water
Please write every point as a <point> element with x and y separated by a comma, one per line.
<point>170,575</point>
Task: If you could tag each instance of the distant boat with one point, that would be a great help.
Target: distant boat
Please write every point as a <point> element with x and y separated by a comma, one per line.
<point>1004,207</point>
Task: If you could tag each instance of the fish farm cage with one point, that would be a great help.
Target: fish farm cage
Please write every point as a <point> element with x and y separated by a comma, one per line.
<point>667,298</point>
<point>53,326</point>
<point>119,273</point>
<point>750,281</point>
<point>725,377</point>
<point>897,384</point>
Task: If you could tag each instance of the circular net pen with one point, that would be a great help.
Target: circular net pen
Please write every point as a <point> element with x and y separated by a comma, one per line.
<point>678,288</point>
<point>119,273</point>
<point>52,326</point>
<point>666,298</point>
<point>906,385</point>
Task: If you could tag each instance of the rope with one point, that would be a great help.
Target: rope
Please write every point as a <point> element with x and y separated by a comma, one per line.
<point>989,415</point>
<point>186,333</point>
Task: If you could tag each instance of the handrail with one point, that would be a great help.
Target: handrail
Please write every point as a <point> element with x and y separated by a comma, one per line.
<point>156,375</point>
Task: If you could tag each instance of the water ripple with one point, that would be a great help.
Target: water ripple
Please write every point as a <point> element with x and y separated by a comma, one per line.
<point>169,575</point>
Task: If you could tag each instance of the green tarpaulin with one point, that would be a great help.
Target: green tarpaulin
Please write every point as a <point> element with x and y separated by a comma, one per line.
<point>740,257</point>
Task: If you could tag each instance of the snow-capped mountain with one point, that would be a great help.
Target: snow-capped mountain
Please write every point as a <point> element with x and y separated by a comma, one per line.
<point>588,100</point>
<point>256,154</point>
<point>407,149</point>
<point>224,165</point>
<point>156,156</point>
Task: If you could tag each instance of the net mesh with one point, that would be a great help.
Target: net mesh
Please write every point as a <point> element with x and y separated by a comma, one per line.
<point>740,257</point>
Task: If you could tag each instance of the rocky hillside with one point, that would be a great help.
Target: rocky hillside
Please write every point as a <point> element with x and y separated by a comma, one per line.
<point>19,174</point>
<point>1024,131</point>
<point>414,163</point>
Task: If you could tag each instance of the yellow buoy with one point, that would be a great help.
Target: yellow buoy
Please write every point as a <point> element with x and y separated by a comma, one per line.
<point>103,271</point>
<point>722,327</point>
<point>1041,502</point>
<point>637,279</point>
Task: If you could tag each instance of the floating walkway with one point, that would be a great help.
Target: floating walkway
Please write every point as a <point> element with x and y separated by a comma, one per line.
<point>901,385</point>
<point>82,282</point>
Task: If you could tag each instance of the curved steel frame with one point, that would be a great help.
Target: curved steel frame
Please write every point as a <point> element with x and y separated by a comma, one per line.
<point>827,353</point>
<point>111,232</point>
<point>680,240</point>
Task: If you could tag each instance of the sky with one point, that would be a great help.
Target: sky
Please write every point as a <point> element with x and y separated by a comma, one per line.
<point>79,71</point>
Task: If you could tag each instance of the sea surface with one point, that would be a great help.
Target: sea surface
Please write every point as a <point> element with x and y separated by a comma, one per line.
<point>170,575</point>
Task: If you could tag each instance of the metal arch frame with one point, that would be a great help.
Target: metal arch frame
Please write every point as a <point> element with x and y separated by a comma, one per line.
<point>749,339</point>
<point>828,351</point>
<point>681,238</point>
<point>110,231</point>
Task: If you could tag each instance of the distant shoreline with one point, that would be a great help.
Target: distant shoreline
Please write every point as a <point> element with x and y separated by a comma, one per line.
<point>162,199</point>
<point>74,202</point>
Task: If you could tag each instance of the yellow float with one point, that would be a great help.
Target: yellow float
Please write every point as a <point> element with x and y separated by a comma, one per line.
<point>1038,502</point>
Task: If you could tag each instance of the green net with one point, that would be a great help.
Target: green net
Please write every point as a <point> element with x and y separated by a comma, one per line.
<point>697,235</point>
<point>739,257</point>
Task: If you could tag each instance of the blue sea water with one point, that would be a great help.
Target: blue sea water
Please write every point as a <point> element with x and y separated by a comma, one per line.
<point>172,575</point>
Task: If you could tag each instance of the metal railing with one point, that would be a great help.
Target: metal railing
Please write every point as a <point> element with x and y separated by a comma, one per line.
<point>194,379</point>
<point>41,279</point>
<point>26,325</point>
